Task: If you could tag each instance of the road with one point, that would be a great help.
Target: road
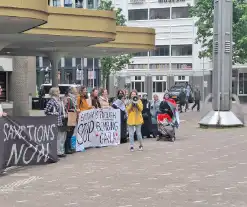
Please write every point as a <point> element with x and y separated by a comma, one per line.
<point>204,167</point>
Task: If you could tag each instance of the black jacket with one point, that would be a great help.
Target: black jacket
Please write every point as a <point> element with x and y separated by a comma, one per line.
<point>165,108</point>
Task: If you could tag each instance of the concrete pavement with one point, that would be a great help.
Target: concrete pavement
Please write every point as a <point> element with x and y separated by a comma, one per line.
<point>204,167</point>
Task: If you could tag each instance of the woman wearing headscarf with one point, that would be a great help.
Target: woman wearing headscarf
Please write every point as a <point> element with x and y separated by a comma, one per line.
<point>168,106</point>
<point>146,127</point>
<point>119,104</point>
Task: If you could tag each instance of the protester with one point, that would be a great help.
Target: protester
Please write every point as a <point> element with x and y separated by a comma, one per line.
<point>82,103</point>
<point>119,104</point>
<point>70,106</point>
<point>94,99</point>
<point>103,99</point>
<point>165,105</point>
<point>135,119</point>
<point>197,97</point>
<point>182,100</point>
<point>73,94</point>
<point>154,109</point>
<point>146,127</point>
<point>187,90</point>
<point>56,107</point>
<point>1,108</point>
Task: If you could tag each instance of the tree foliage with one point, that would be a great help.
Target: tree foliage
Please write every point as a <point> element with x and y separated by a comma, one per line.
<point>203,11</point>
<point>113,64</point>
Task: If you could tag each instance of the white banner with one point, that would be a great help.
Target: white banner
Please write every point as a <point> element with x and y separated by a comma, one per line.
<point>98,128</point>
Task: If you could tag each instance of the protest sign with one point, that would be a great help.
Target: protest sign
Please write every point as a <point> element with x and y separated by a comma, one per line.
<point>28,140</point>
<point>98,128</point>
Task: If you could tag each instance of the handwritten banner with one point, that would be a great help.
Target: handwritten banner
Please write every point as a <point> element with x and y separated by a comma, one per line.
<point>28,141</point>
<point>98,128</point>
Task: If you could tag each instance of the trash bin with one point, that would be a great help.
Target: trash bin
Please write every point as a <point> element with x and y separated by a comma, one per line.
<point>35,103</point>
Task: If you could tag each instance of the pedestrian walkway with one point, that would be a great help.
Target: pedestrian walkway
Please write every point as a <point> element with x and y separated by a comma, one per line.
<point>203,167</point>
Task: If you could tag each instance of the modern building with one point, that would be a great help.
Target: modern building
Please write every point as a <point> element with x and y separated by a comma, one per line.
<point>175,58</point>
<point>33,28</point>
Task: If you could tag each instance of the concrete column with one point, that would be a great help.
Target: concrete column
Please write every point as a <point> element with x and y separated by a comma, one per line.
<point>55,58</point>
<point>19,81</point>
<point>149,86</point>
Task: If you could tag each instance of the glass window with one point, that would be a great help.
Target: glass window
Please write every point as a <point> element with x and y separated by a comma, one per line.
<point>161,13</point>
<point>46,62</point>
<point>159,86</point>
<point>68,3</point>
<point>138,77</point>
<point>79,3</point>
<point>181,66</point>
<point>90,62</point>
<point>37,62</point>
<point>180,12</point>
<point>181,50</point>
<point>140,54</point>
<point>138,14</point>
<point>242,83</point>
<point>137,66</point>
<point>90,4</point>
<point>160,50</point>
<point>139,86</point>
<point>56,3</point>
<point>68,62</point>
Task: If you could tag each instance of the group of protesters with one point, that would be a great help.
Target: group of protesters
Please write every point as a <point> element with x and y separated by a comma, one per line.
<point>137,114</point>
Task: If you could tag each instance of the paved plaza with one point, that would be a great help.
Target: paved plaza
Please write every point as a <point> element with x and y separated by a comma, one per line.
<point>204,167</point>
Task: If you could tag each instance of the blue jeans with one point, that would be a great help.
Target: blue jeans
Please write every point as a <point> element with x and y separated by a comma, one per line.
<point>132,129</point>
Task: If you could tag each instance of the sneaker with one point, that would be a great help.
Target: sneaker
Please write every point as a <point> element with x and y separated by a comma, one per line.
<point>132,149</point>
<point>140,148</point>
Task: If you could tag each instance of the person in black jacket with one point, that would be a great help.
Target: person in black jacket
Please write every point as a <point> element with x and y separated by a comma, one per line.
<point>146,127</point>
<point>182,99</point>
<point>119,104</point>
<point>165,107</point>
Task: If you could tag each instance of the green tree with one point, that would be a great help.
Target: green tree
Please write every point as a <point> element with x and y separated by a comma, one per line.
<point>203,11</point>
<point>113,64</point>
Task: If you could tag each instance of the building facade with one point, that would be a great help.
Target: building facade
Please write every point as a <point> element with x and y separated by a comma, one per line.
<point>175,58</point>
<point>84,71</point>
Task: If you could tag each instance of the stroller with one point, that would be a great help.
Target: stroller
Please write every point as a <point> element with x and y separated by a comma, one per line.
<point>167,121</point>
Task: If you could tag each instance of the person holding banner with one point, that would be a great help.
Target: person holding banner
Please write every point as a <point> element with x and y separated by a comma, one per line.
<point>135,119</point>
<point>119,104</point>
<point>56,107</point>
<point>94,99</point>
<point>82,104</point>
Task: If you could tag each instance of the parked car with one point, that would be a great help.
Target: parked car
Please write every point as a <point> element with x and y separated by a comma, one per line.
<point>176,89</point>
<point>44,96</point>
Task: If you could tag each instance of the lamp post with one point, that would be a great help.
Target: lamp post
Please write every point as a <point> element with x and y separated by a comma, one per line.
<point>221,115</point>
